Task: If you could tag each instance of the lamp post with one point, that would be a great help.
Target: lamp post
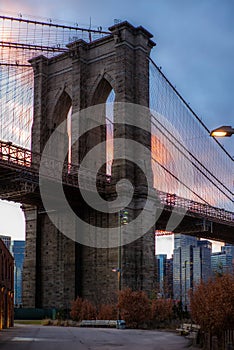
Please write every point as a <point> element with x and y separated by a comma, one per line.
<point>183,288</point>
<point>222,131</point>
<point>122,220</point>
<point>185,285</point>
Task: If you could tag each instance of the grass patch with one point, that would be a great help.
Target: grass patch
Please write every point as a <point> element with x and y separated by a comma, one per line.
<point>38,322</point>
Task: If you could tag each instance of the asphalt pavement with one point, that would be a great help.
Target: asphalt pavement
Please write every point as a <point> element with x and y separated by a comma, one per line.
<point>33,337</point>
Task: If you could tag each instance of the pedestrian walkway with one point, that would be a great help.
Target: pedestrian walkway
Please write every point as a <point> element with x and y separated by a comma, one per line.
<point>34,337</point>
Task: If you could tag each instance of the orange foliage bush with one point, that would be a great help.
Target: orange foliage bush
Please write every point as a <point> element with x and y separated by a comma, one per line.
<point>212,304</point>
<point>161,310</point>
<point>134,307</point>
<point>82,309</point>
<point>107,312</point>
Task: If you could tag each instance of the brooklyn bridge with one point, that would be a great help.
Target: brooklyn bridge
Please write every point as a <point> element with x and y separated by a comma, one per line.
<point>66,91</point>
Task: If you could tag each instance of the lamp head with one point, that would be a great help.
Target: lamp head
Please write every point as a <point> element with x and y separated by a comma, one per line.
<point>222,131</point>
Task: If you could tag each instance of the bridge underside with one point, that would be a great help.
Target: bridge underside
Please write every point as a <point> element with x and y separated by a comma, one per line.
<point>23,187</point>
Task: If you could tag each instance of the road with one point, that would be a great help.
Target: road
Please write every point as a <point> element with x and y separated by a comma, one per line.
<point>32,337</point>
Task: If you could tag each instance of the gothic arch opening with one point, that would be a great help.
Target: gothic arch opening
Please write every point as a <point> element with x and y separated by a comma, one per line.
<point>61,109</point>
<point>102,92</point>
<point>110,131</point>
<point>62,112</point>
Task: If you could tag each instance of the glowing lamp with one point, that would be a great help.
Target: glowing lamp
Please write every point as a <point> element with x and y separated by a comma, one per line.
<point>222,131</point>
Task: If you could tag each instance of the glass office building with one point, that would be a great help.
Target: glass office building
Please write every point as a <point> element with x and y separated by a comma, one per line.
<point>191,264</point>
<point>202,262</point>
<point>221,262</point>
<point>18,251</point>
<point>161,272</point>
<point>228,249</point>
<point>182,266</point>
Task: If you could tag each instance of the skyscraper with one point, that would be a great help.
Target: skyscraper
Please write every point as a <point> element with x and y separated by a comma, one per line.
<point>191,264</point>
<point>221,262</point>
<point>18,250</point>
<point>168,285</point>
<point>165,275</point>
<point>182,266</point>
<point>202,261</point>
<point>228,249</point>
<point>161,267</point>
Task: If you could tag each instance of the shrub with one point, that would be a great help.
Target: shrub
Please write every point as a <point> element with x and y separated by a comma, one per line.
<point>107,312</point>
<point>134,307</point>
<point>212,304</point>
<point>82,309</point>
<point>161,310</point>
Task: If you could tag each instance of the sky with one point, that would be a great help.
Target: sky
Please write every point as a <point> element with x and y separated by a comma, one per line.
<point>195,49</point>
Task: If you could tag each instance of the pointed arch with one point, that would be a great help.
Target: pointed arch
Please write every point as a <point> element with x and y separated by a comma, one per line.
<point>102,89</point>
<point>62,112</point>
<point>62,107</point>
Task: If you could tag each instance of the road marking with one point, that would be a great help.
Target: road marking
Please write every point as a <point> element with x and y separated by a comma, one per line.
<point>55,340</point>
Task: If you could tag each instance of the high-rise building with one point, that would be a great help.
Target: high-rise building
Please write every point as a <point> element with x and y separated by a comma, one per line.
<point>191,264</point>
<point>177,278</point>
<point>161,267</point>
<point>168,285</point>
<point>182,266</point>
<point>6,240</point>
<point>181,240</point>
<point>18,250</point>
<point>165,275</point>
<point>228,249</point>
<point>202,261</point>
<point>221,262</point>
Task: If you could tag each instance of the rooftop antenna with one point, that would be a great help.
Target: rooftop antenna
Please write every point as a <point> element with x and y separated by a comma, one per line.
<point>90,26</point>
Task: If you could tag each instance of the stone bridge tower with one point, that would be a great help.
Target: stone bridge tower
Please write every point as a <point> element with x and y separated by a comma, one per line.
<point>56,268</point>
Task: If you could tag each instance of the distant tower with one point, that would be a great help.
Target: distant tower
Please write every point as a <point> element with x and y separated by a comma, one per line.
<point>183,266</point>
<point>161,273</point>
<point>221,262</point>
<point>228,249</point>
<point>18,251</point>
<point>202,261</point>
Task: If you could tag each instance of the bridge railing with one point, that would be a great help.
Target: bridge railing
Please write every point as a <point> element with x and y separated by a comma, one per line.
<point>20,157</point>
<point>14,154</point>
<point>172,200</point>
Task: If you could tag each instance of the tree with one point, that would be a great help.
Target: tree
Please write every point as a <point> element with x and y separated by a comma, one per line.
<point>161,310</point>
<point>134,307</point>
<point>82,309</point>
<point>212,304</point>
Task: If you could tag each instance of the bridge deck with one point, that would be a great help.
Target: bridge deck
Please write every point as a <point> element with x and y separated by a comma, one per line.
<point>19,180</point>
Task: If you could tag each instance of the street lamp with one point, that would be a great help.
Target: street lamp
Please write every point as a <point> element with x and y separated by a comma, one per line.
<point>185,285</point>
<point>222,131</point>
<point>122,220</point>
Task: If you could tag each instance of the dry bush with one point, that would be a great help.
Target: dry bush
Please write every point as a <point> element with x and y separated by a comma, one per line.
<point>161,310</point>
<point>82,309</point>
<point>107,312</point>
<point>134,307</point>
<point>212,304</point>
